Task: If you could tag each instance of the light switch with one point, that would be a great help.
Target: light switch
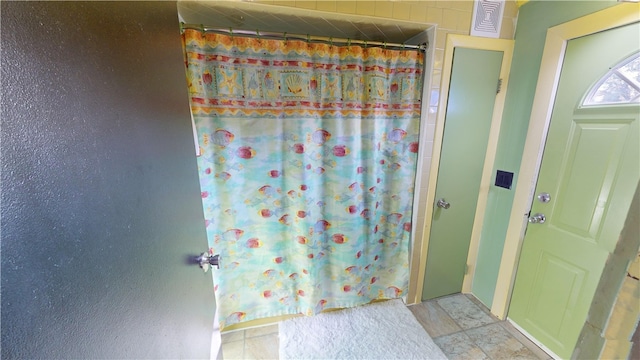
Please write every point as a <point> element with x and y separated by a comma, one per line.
<point>504,179</point>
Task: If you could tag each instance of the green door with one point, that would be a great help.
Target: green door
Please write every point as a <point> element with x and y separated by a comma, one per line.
<point>472,94</point>
<point>590,170</point>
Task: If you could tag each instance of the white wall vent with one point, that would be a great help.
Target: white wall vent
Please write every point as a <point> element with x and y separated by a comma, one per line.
<point>487,18</point>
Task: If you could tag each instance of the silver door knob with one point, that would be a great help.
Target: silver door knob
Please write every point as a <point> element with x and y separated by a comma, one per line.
<point>537,219</point>
<point>206,260</point>
<point>443,204</point>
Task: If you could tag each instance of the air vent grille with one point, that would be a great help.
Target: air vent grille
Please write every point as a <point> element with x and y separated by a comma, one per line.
<point>487,18</point>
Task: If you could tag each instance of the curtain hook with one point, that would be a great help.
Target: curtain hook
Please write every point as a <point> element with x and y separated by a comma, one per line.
<point>348,42</point>
<point>308,38</point>
<point>330,42</point>
<point>365,44</point>
<point>284,35</point>
<point>231,32</point>
<point>384,44</point>
<point>202,28</point>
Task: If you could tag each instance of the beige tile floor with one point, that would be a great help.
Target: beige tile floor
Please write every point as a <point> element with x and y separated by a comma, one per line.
<point>459,324</point>
<point>465,329</point>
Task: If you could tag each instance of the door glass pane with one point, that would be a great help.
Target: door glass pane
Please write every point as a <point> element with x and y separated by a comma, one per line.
<point>632,70</point>
<point>620,85</point>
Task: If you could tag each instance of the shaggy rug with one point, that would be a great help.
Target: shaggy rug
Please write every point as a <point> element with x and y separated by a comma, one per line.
<point>384,330</point>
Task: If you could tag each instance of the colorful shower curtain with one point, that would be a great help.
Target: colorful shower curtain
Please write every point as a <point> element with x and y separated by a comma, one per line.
<point>307,170</point>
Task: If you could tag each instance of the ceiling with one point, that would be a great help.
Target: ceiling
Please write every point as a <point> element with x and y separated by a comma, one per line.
<point>240,15</point>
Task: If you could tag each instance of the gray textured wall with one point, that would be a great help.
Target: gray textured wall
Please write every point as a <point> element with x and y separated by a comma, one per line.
<point>100,196</point>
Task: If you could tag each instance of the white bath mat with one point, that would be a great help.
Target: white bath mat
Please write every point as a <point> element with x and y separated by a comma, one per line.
<point>384,330</point>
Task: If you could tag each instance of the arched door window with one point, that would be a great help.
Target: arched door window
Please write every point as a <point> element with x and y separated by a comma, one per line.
<point>620,85</point>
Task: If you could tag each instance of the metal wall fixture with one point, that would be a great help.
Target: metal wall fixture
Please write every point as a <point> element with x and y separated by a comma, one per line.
<point>544,197</point>
<point>538,218</point>
<point>206,260</point>
<point>304,37</point>
<point>443,204</point>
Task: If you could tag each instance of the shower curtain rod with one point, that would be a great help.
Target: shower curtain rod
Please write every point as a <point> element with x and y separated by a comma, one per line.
<point>307,38</point>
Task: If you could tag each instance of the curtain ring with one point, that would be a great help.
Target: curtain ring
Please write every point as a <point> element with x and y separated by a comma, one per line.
<point>202,28</point>
<point>231,32</point>
<point>308,38</point>
<point>365,44</point>
<point>330,42</point>
<point>284,35</point>
<point>384,44</point>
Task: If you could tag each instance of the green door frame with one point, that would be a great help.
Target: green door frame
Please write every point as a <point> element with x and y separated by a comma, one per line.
<point>421,245</point>
<point>552,57</point>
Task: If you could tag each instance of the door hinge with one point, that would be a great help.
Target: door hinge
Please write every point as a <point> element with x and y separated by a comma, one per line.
<point>499,87</point>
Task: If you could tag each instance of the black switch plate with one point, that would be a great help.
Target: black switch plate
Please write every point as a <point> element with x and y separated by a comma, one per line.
<point>504,179</point>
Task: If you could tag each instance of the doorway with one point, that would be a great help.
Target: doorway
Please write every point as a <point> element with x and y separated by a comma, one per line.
<point>468,121</point>
<point>468,253</point>
<point>553,56</point>
<point>586,182</point>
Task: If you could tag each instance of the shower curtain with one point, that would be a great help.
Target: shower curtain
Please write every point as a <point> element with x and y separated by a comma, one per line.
<point>307,166</point>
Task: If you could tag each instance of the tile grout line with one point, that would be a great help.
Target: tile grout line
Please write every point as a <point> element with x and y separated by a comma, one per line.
<point>463,330</point>
<point>435,304</point>
<point>531,345</point>
<point>496,322</point>
<point>465,333</point>
<point>474,342</point>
